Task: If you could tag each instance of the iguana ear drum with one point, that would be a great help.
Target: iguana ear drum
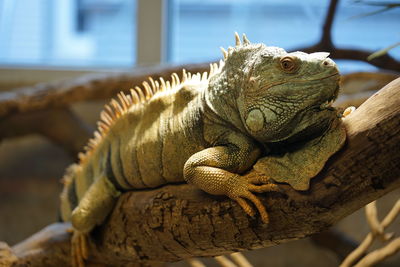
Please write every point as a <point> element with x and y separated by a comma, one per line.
<point>255,120</point>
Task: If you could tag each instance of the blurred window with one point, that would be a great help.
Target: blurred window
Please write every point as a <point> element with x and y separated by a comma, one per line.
<point>103,33</point>
<point>94,33</point>
<point>199,28</point>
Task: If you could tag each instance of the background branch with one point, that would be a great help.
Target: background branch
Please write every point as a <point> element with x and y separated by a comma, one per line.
<point>60,125</point>
<point>326,36</point>
<point>87,87</point>
<point>326,44</point>
<point>361,250</point>
<point>179,221</point>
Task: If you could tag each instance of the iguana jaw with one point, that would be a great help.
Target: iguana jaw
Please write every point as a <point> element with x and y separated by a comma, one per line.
<point>312,120</point>
<point>308,124</point>
<point>296,108</point>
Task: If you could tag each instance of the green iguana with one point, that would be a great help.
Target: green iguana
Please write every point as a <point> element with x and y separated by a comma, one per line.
<point>206,130</point>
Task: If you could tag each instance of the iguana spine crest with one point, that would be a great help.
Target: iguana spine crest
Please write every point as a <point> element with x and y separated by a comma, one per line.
<point>138,95</point>
<point>117,108</point>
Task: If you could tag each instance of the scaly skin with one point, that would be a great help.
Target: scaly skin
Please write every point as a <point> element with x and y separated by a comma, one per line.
<point>204,131</point>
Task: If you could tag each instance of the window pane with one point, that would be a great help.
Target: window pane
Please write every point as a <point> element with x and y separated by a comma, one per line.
<point>199,28</point>
<point>353,29</point>
<point>87,33</point>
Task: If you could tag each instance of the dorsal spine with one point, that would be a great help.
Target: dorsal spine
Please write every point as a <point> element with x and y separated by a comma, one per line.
<point>137,95</point>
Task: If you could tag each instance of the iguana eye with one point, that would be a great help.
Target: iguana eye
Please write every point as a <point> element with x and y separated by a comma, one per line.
<point>288,64</point>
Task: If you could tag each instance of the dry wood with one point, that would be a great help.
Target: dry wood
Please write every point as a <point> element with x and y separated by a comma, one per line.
<point>380,254</point>
<point>193,262</point>
<point>371,213</point>
<point>179,221</point>
<point>224,261</point>
<point>240,260</point>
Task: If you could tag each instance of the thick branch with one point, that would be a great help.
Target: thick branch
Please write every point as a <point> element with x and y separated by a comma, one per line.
<point>180,221</point>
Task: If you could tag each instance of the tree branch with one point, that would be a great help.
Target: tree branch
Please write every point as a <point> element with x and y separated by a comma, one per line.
<point>326,44</point>
<point>179,221</point>
<point>361,250</point>
<point>384,62</point>
<point>326,36</point>
<point>60,125</point>
<point>88,87</point>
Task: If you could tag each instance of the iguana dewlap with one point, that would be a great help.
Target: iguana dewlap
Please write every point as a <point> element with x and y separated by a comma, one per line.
<point>206,129</point>
<point>298,166</point>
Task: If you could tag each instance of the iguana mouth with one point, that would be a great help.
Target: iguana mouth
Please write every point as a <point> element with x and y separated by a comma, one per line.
<point>329,76</point>
<point>327,104</point>
<point>318,79</point>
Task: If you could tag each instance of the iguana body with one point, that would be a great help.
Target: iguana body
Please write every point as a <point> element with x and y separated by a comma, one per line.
<point>206,130</point>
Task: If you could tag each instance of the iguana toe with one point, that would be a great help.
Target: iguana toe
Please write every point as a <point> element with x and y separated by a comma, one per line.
<point>264,188</point>
<point>244,191</point>
<point>79,249</point>
<point>260,207</point>
<point>245,206</point>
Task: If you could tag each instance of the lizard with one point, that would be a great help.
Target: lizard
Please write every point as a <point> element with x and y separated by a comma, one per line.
<point>204,129</point>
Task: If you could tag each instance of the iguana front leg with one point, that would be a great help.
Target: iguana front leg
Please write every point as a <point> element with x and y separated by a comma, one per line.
<point>216,170</point>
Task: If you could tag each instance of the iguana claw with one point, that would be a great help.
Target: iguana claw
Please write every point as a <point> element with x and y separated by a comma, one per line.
<point>244,191</point>
<point>79,249</point>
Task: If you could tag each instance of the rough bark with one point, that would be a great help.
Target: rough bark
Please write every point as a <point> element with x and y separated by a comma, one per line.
<point>179,221</point>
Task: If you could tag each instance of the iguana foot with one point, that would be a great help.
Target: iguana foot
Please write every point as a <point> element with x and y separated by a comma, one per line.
<point>243,190</point>
<point>79,248</point>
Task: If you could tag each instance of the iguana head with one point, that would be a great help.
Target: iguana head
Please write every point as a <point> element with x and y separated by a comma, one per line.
<point>281,95</point>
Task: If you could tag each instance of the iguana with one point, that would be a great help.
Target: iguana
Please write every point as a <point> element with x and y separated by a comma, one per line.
<point>206,129</point>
